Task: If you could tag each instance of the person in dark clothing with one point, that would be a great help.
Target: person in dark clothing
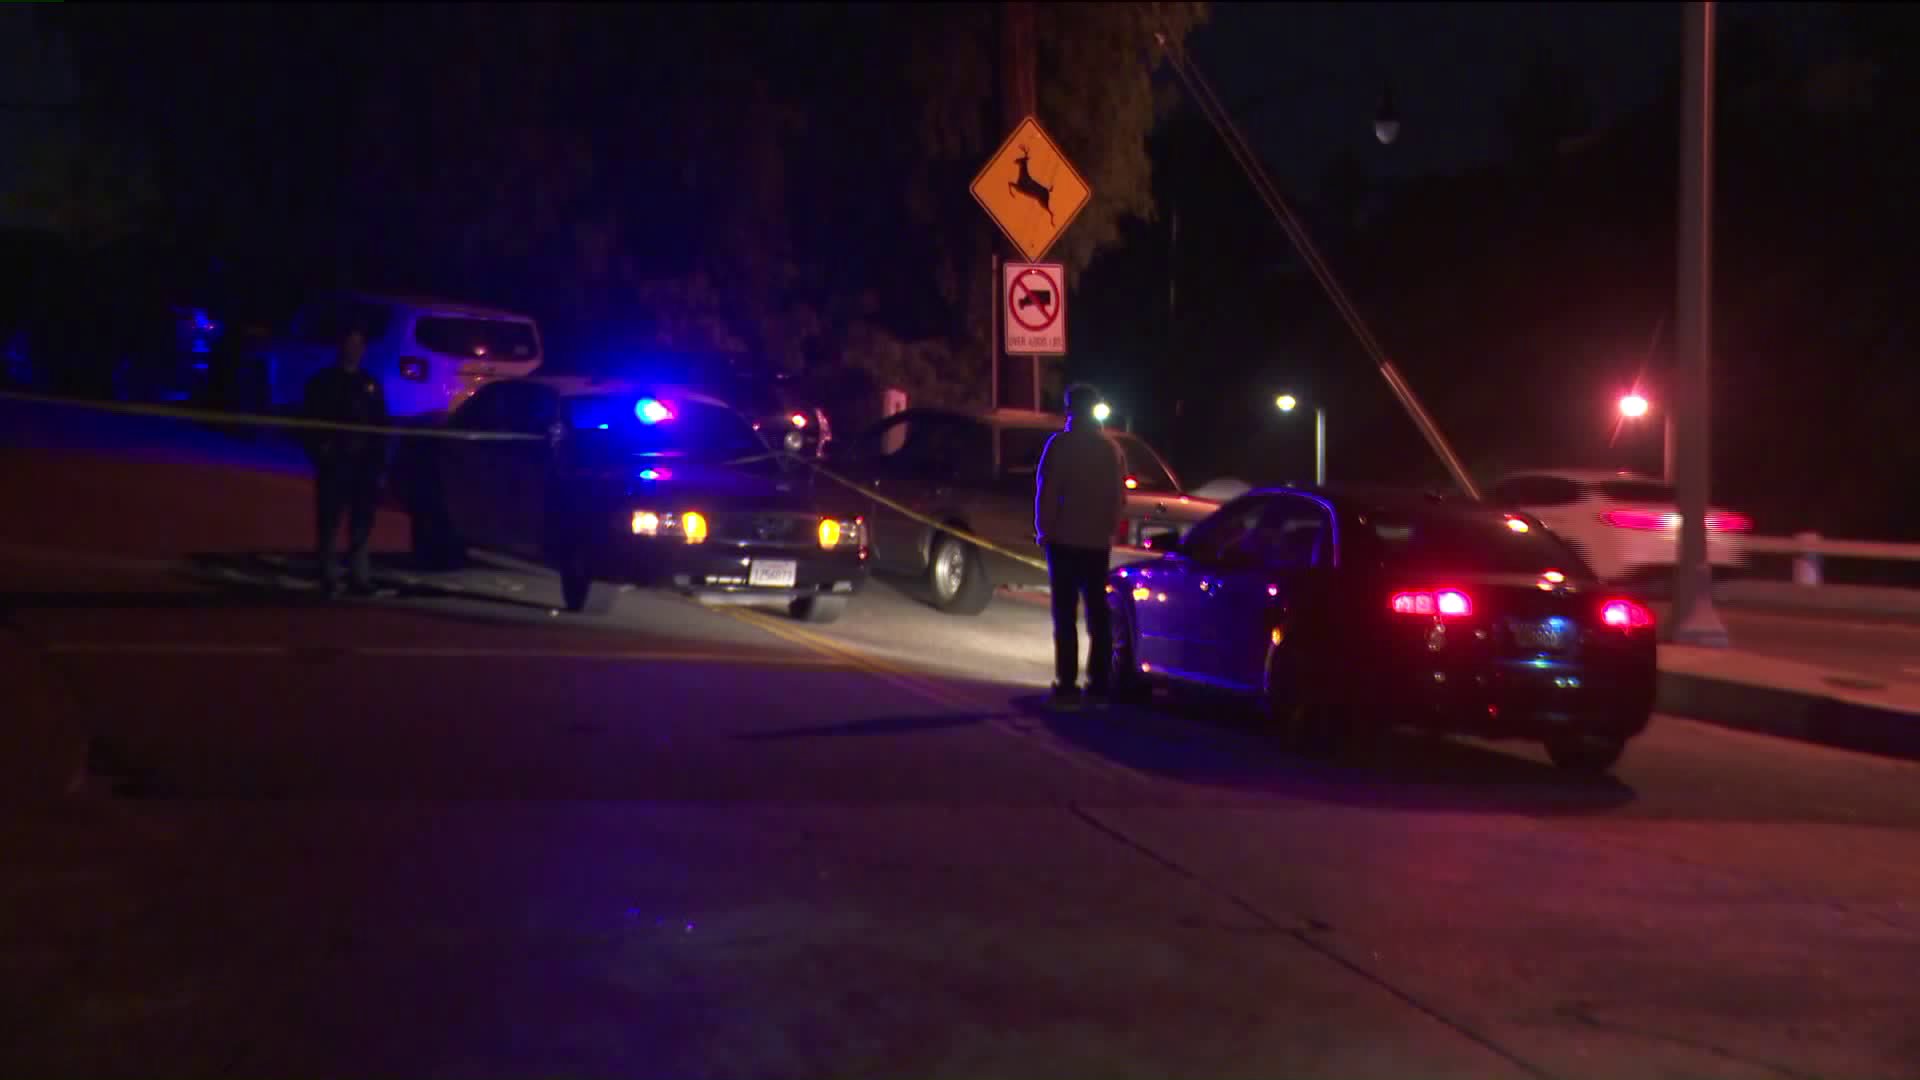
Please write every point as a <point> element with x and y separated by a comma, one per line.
<point>346,464</point>
<point>1078,502</point>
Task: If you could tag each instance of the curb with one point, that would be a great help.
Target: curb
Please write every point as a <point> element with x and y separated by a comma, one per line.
<point>1790,714</point>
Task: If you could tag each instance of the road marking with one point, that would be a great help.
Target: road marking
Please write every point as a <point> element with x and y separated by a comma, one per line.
<point>917,685</point>
<point>663,656</point>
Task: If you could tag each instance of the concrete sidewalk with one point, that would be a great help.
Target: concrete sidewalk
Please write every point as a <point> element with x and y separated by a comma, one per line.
<point>1775,696</point>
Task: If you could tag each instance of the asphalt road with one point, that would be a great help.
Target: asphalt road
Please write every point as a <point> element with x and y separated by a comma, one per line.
<point>453,833</point>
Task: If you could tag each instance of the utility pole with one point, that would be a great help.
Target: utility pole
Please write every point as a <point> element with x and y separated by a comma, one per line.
<point>1694,622</point>
<point>1019,99</point>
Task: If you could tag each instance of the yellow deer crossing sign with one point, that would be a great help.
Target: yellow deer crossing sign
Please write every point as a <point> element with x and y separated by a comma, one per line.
<point>1030,190</point>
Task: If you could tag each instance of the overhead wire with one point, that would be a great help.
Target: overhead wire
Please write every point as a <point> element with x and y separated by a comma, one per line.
<point>1216,114</point>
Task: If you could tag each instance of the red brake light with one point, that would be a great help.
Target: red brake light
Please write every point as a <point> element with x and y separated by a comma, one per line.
<point>1730,522</point>
<point>799,419</point>
<point>1444,603</point>
<point>1639,519</point>
<point>1626,615</point>
<point>1132,482</point>
<point>413,369</point>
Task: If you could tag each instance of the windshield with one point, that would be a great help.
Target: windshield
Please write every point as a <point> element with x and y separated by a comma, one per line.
<point>1457,542</point>
<point>1145,467</point>
<point>1020,450</point>
<point>609,427</point>
<point>1645,491</point>
<point>495,339</point>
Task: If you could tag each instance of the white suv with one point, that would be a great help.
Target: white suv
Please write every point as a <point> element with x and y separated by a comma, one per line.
<point>1622,523</point>
<point>429,355</point>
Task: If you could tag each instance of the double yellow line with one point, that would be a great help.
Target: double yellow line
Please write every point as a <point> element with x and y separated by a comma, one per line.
<point>926,689</point>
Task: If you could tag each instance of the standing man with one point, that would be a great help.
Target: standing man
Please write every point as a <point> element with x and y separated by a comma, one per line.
<point>1078,502</point>
<point>346,464</point>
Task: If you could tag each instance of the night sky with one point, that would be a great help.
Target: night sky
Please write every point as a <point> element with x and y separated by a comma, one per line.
<point>1304,80</point>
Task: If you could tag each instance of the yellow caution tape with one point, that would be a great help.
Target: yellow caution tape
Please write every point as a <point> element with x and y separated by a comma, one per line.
<point>211,416</point>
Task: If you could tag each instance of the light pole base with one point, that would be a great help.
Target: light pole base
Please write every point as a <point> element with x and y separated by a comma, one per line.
<point>1695,622</point>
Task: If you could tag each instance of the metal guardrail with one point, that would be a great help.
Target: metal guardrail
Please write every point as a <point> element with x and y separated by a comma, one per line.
<point>1810,551</point>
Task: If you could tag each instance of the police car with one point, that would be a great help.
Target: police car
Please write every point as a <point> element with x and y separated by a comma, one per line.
<point>620,482</point>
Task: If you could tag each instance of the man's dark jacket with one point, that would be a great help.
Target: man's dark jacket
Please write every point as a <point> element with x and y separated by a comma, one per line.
<point>348,397</point>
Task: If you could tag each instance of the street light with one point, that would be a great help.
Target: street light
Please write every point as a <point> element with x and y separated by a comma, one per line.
<point>1286,403</point>
<point>1386,123</point>
<point>1635,406</point>
<point>1101,411</point>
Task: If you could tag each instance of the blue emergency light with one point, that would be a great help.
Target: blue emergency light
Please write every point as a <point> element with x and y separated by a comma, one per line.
<point>651,412</point>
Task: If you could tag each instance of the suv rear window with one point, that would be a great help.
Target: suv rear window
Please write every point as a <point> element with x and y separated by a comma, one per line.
<point>1464,543</point>
<point>1645,491</point>
<point>501,339</point>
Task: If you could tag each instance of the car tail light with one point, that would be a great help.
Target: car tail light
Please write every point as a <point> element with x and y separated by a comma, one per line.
<point>1640,519</point>
<point>693,526</point>
<point>1622,614</point>
<point>413,369</point>
<point>1729,522</point>
<point>1442,603</point>
<point>798,420</point>
<point>1132,482</point>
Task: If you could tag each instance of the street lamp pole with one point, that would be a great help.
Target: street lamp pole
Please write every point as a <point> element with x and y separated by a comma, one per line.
<point>1694,622</point>
<point>1319,447</point>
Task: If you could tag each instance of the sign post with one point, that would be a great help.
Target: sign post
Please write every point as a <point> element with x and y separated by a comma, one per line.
<point>1032,193</point>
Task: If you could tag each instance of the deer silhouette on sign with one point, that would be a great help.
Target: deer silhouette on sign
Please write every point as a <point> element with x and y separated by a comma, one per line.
<point>1025,184</point>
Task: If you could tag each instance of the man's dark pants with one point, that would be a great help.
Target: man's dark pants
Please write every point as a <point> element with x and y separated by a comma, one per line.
<point>1075,574</point>
<point>345,488</point>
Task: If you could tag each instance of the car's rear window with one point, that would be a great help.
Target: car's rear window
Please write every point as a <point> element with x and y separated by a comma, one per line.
<point>1145,467</point>
<point>1465,543</point>
<point>1645,491</point>
<point>609,427</point>
<point>494,339</point>
<point>1020,450</point>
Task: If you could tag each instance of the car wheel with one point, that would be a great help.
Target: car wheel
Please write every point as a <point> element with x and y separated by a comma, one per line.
<point>957,577</point>
<point>1130,687</point>
<point>818,609</point>
<point>578,591</point>
<point>1303,727</point>
<point>1587,754</point>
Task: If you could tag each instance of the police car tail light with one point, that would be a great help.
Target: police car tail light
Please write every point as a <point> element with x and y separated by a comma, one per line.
<point>413,369</point>
<point>693,526</point>
<point>646,523</point>
<point>1441,603</point>
<point>829,533</point>
<point>1626,615</point>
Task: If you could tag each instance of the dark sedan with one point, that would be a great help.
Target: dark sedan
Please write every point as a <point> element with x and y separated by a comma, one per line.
<point>633,484</point>
<point>1340,611</point>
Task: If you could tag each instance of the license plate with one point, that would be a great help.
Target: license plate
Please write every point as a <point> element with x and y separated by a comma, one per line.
<point>1547,634</point>
<point>772,574</point>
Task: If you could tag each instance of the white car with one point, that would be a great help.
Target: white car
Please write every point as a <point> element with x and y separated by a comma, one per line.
<point>429,355</point>
<point>1624,524</point>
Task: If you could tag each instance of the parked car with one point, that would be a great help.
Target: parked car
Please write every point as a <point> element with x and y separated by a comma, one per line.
<point>974,471</point>
<point>629,483</point>
<point>429,355</point>
<point>1341,612</point>
<point>1623,524</point>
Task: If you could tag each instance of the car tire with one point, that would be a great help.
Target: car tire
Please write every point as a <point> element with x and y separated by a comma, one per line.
<point>1301,726</point>
<point>1130,687</point>
<point>957,577</point>
<point>818,609</point>
<point>1588,755</point>
<point>578,591</point>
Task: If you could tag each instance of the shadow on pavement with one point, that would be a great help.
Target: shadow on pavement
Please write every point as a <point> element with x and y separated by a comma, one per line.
<point>880,725</point>
<point>1397,771</point>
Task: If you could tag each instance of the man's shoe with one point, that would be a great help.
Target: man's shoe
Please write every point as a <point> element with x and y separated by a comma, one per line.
<point>1064,698</point>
